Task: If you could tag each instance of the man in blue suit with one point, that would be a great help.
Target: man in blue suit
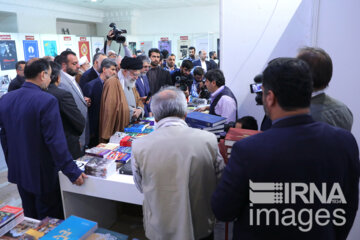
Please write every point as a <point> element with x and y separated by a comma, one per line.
<point>142,84</point>
<point>297,180</point>
<point>202,62</point>
<point>34,144</point>
<point>93,90</point>
<point>93,72</point>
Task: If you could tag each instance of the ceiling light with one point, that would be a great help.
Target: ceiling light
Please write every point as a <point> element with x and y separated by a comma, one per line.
<point>93,0</point>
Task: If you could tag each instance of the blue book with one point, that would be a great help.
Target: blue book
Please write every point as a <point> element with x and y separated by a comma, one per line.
<point>204,119</point>
<point>135,128</point>
<point>195,125</point>
<point>71,229</point>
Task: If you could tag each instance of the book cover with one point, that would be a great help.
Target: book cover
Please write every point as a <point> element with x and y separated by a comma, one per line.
<point>126,141</point>
<point>7,213</point>
<point>116,138</point>
<point>100,167</point>
<point>135,128</point>
<point>109,146</point>
<point>97,152</point>
<point>123,149</point>
<point>204,119</point>
<point>104,234</point>
<point>71,229</point>
<point>218,127</point>
<point>12,223</point>
<point>48,224</point>
<point>126,169</point>
<point>236,134</point>
<point>19,230</point>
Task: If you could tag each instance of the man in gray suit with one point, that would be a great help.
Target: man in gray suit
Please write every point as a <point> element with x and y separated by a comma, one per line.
<point>70,67</point>
<point>324,108</point>
<point>177,177</point>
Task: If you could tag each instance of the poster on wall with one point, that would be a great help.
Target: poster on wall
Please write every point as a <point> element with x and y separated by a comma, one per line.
<point>66,43</point>
<point>8,56</point>
<point>84,49</point>
<point>132,47</point>
<point>165,44</point>
<point>202,44</point>
<point>145,46</point>
<point>183,47</point>
<point>50,48</point>
<point>97,43</point>
<point>31,49</point>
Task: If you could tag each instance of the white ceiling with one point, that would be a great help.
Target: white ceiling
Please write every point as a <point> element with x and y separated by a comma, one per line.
<point>137,4</point>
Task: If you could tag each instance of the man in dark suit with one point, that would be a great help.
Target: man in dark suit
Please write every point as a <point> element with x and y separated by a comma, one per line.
<point>93,72</point>
<point>297,180</point>
<point>19,80</point>
<point>212,56</point>
<point>72,119</point>
<point>93,90</point>
<point>34,144</point>
<point>202,62</point>
<point>158,77</point>
<point>142,84</point>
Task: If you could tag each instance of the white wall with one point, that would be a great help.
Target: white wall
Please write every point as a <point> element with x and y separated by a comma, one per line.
<point>76,28</point>
<point>40,17</point>
<point>339,34</point>
<point>8,22</point>
<point>261,25</point>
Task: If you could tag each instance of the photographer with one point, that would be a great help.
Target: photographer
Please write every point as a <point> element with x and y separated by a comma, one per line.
<point>115,35</point>
<point>198,87</point>
<point>182,77</point>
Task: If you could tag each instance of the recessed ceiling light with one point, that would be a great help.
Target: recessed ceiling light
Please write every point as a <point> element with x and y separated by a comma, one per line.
<point>93,0</point>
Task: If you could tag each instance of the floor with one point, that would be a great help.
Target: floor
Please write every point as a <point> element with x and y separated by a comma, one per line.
<point>129,220</point>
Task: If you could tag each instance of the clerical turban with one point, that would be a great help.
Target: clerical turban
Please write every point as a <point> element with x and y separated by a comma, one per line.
<point>131,63</point>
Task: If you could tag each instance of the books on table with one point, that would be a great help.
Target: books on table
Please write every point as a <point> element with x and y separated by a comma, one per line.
<point>72,228</point>
<point>204,119</point>
<point>10,217</point>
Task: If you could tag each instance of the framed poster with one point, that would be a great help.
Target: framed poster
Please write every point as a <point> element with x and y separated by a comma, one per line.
<point>132,47</point>
<point>183,49</point>
<point>8,55</point>
<point>50,48</point>
<point>165,45</point>
<point>84,49</point>
<point>31,49</point>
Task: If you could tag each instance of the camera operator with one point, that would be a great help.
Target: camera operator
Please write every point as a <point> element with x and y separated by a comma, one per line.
<point>115,35</point>
<point>223,101</point>
<point>182,77</point>
<point>198,87</point>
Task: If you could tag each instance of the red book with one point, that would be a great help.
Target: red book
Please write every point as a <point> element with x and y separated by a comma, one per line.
<point>236,134</point>
<point>126,141</point>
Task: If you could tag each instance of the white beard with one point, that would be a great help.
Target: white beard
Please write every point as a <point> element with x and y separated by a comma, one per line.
<point>129,83</point>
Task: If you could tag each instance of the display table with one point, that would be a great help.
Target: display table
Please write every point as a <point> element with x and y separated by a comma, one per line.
<point>96,198</point>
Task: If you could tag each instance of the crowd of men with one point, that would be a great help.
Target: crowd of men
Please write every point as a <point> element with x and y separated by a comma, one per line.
<point>56,109</point>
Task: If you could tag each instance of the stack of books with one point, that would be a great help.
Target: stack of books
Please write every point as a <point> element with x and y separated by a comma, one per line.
<point>234,135</point>
<point>135,128</point>
<point>100,167</point>
<point>208,122</point>
<point>9,218</point>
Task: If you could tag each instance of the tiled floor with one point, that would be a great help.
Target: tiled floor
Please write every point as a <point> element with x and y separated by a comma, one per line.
<point>8,192</point>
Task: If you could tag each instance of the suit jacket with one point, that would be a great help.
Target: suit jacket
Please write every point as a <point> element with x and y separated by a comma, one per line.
<point>67,85</point>
<point>158,78</point>
<point>178,177</point>
<point>144,90</point>
<point>293,150</point>
<point>87,76</point>
<point>72,120</point>
<point>198,63</point>
<point>213,64</point>
<point>16,83</point>
<point>324,108</point>
<point>93,90</point>
<point>33,140</point>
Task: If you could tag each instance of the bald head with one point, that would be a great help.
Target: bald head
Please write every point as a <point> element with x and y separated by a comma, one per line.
<point>169,102</point>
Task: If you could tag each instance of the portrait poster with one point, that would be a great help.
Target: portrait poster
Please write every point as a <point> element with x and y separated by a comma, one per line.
<point>165,45</point>
<point>97,44</point>
<point>8,55</point>
<point>31,49</point>
<point>132,47</point>
<point>84,49</point>
<point>183,49</point>
<point>50,48</point>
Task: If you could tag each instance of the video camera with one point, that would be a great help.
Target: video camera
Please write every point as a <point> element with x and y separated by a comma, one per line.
<point>256,88</point>
<point>117,34</point>
<point>182,82</point>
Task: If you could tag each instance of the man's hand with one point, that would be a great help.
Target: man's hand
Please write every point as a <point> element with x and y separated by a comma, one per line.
<point>88,101</point>
<point>143,99</point>
<point>110,35</point>
<point>124,44</point>
<point>201,109</point>
<point>136,113</point>
<point>81,179</point>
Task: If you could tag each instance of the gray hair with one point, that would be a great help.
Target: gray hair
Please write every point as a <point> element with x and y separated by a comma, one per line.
<point>168,102</point>
<point>144,58</point>
<point>107,63</point>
